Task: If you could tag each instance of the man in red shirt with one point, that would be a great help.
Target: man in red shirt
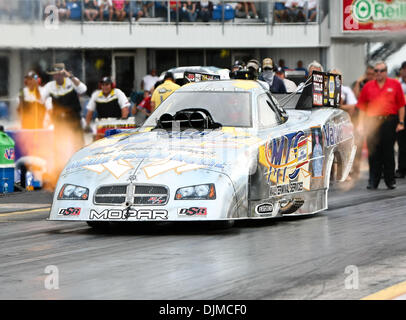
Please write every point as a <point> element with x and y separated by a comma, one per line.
<point>382,106</point>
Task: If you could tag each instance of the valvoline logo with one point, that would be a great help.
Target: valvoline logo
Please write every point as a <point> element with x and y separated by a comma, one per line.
<point>9,154</point>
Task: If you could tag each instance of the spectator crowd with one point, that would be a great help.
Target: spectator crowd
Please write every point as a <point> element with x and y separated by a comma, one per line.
<point>184,11</point>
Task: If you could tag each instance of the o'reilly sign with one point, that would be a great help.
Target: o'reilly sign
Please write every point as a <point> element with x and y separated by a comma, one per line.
<point>374,15</point>
<point>375,10</point>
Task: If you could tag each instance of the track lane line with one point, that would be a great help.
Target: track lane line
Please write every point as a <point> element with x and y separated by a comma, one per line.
<point>17,213</point>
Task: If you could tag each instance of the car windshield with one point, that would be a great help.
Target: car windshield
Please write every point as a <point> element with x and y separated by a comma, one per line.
<point>230,109</point>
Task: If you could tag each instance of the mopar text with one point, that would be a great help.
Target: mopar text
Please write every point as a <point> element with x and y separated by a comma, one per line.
<point>117,214</point>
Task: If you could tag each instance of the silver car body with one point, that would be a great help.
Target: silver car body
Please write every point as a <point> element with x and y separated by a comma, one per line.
<point>258,171</point>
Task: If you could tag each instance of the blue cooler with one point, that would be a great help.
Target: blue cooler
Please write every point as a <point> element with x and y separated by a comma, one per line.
<point>6,178</point>
<point>7,164</point>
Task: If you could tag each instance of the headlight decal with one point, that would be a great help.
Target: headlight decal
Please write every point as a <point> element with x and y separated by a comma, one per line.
<point>73,192</point>
<point>197,192</point>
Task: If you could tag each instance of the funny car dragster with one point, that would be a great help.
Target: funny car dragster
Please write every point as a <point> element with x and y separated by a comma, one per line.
<point>214,151</point>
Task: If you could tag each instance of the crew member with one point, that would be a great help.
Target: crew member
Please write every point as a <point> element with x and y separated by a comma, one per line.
<point>164,90</point>
<point>314,66</point>
<point>108,102</point>
<point>289,84</point>
<point>31,106</point>
<point>276,84</point>
<point>382,105</point>
<point>253,69</point>
<point>235,70</point>
<point>63,93</point>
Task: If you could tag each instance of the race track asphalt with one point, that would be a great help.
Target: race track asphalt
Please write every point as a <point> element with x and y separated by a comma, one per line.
<point>350,251</point>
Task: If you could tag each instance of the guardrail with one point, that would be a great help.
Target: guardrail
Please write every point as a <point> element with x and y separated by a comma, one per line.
<point>54,12</point>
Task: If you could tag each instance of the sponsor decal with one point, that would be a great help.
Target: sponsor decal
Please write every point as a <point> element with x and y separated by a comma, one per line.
<point>116,168</point>
<point>326,89</point>
<point>131,214</point>
<point>9,154</point>
<point>317,153</point>
<point>132,178</point>
<point>333,134</point>
<point>317,99</point>
<point>264,208</point>
<point>69,212</point>
<point>193,211</point>
<point>374,15</point>
<point>289,151</point>
<point>157,200</point>
<point>292,187</point>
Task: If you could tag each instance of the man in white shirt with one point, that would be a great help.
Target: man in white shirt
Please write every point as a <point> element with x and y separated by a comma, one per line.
<point>108,102</point>
<point>63,94</point>
<point>289,84</point>
<point>62,97</point>
<point>148,82</point>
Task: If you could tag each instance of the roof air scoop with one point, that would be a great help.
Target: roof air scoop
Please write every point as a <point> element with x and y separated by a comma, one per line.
<point>194,118</point>
<point>165,121</point>
<point>199,120</point>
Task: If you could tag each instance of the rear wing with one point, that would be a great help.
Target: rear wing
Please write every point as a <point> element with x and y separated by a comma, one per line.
<point>198,76</point>
<point>321,90</point>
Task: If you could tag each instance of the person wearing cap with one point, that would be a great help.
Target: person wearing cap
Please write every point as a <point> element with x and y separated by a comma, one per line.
<point>237,66</point>
<point>276,84</point>
<point>31,107</point>
<point>61,96</point>
<point>64,93</point>
<point>108,102</point>
<point>164,90</point>
<point>235,70</point>
<point>289,84</point>
<point>253,69</point>
<point>401,135</point>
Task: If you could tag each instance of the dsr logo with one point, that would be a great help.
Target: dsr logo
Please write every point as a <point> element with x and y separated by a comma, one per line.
<point>193,211</point>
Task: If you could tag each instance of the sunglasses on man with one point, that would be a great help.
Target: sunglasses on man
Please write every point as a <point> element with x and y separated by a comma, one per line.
<point>380,70</point>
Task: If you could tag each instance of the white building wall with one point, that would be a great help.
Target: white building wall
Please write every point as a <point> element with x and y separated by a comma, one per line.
<point>292,55</point>
<point>349,57</point>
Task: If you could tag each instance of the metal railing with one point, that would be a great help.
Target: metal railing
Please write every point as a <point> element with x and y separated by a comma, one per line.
<point>54,12</point>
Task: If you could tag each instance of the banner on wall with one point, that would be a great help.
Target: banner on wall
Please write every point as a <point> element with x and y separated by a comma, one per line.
<point>374,15</point>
